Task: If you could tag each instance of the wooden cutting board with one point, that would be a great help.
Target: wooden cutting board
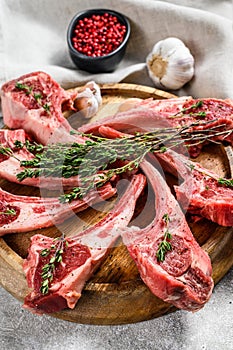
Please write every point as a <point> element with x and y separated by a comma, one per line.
<point>116,294</point>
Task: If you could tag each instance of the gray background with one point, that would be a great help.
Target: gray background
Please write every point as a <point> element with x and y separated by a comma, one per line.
<point>208,329</point>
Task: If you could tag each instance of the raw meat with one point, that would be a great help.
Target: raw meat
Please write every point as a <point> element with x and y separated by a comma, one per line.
<point>184,277</point>
<point>25,213</point>
<point>10,165</point>
<point>144,115</point>
<point>149,114</point>
<point>199,193</point>
<point>81,257</point>
<point>34,103</point>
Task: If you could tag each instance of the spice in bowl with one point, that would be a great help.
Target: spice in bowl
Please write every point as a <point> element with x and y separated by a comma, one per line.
<point>97,39</point>
<point>98,35</point>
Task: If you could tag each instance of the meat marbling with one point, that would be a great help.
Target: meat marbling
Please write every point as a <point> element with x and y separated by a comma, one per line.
<point>10,165</point>
<point>81,257</point>
<point>30,213</point>
<point>148,114</point>
<point>34,103</point>
<point>200,192</point>
<point>184,277</point>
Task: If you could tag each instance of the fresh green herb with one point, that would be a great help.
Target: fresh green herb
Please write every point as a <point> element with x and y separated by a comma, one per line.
<point>19,144</point>
<point>165,244</point>
<point>200,114</point>
<point>28,173</point>
<point>191,166</point>
<point>8,212</point>
<point>36,95</point>
<point>194,106</point>
<point>166,218</point>
<point>24,87</point>
<point>46,107</point>
<point>98,180</point>
<point>220,181</point>
<point>164,247</point>
<point>6,151</point>
<point>93,157</point>
<point>56,251</point>
<point>32,147</point>
<point>190,108</point>
<point>226,182</point>
<point>198,104</point>
<point>99,155</point>
<point>163,149</point>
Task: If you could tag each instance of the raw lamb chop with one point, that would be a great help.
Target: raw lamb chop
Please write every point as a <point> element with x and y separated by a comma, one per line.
<point>149,114</point>
<point>34,102</point>
<point>10,165</point>
<point>183,278</point>
<point>24,213</point>
<point>200,192</point>
<point>144,115</point>
<point>81,257</point>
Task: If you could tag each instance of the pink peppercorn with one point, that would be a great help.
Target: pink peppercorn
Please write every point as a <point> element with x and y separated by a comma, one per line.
<point>98,35</point>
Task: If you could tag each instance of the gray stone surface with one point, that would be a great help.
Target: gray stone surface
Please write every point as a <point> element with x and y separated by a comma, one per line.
<point>208,329</point>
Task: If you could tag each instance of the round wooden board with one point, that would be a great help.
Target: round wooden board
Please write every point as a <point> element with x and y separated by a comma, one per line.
<point>115,294</point>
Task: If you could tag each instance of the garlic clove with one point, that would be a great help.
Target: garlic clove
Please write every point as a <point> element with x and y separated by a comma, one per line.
<point>88,100</point>
<point>170,64</point>
<point>95,89</point>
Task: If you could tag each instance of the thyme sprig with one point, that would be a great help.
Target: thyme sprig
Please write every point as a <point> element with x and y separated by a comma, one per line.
<point>98,180</point>
<point>165,244</point>
<point>47,273</point>
<point>189,109</point>
<point>67,160</point>
<point>95,161</point>
<point>24,87</point>
<point>193,106</point>
<point>32,147</point>
<point>6,151</point>
<point>221,181</point>
<point>225,182</point>
<point>8,212</point>
<point>36,95</point>
<point>88,159</point>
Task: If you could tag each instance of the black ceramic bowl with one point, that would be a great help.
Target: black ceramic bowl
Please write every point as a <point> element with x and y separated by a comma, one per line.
<point>106,62</point>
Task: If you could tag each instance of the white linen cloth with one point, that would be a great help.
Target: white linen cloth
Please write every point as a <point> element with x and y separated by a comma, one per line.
<point>33,37</point>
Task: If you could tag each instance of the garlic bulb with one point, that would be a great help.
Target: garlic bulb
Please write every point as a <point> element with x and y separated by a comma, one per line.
<point>170,64</point>
<point>88,100</point>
